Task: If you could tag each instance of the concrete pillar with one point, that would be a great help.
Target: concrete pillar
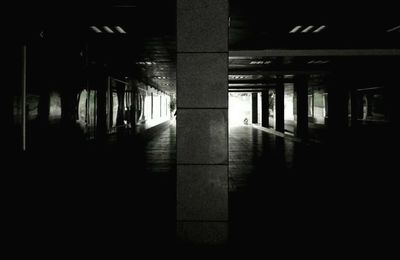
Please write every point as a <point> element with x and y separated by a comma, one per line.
<point>265,109</point>
<point>44,106</point>
<point>134,97</point>
<point>280,106</point>
<point>202,122</point>
<point>337,106</point>
<point>301,90</point>
<point>254,108</point>
<point>369,104</point>
<point>68,104</point>
<point>391,102</point>
<point>356,107</point>
<point>121,104</point>
<point>101,83</point>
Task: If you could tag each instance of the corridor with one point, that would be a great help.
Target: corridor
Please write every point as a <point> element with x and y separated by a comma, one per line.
<point>200,124</point>
<point>119,196</point>
<point>270,186</point>
<point>285,193</point>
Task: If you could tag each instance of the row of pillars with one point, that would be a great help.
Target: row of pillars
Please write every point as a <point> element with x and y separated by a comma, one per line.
<point>301,92</point>
<point>339,90</point>
<point>202,119</point>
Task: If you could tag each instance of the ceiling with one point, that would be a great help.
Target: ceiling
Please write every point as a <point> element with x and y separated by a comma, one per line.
<point>266,24</point>
<point>310,38</point>
<point>63,34</point>
<point>141,43</point>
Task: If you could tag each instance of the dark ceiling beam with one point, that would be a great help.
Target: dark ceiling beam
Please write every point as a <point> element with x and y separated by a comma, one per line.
<point>264,81</point>
<point>256,86</point>
<point>246,90</point>
<point>275,72</point>
<point>314,53</point>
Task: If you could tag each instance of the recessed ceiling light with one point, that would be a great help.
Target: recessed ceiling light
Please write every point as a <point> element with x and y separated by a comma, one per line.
<point>319,29</point>
<point>95,29</point>
<point>295,29</point>
<point>257,62</point>
<point>307,28</point>
<point>108,29</point>
<point>318,62</point>
<point>397,28</point>
<point>119,29</point>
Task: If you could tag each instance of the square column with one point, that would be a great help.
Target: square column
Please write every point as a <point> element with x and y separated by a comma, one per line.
<point>202,122</point>
<point>337,107</point>
<point>254,108</point>
<point>280,106</point>
<point>301,89</point>
<point>265,109</point>
<point>356,108</point>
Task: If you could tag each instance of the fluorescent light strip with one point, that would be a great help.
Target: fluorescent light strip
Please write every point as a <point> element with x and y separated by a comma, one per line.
<point>320,29</point>
<point>307,29</point>
<point>95,29</point>
<point>108,29</point>
<point>394,29</point>
<point>295,29</point>
<point>119,29</point>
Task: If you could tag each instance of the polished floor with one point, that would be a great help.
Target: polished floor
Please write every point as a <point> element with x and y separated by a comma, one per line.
<point>306,196</point>
<point>117,195</point>
<point>270,193</point>
<point>282,193</point>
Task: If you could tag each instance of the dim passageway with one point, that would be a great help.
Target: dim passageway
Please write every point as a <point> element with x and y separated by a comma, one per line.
<point>121,196</point>
<point>286,193</point>
<point>206,124</point>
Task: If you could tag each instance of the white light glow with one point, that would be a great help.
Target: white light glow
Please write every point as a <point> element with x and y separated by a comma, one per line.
<point>308,28</point>
<point>319,29</point>
<point>394,29</point>
<point>239,109</point>
<point>295,29</point>
<point>95,29</point>
<point>119,29</point>
<point>108,29</point>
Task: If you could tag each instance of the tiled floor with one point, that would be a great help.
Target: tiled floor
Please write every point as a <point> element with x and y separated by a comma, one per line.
<point>121,194</point>
<point>160,151</point>
<point>281,193</point>
<point>264,173</point>
<point>285,194</point>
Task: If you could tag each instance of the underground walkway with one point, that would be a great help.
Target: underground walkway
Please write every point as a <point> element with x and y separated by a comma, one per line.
<point>271,187</point>
<point>281,193</point>
<point>306,196</point>
<point>119,198</point>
